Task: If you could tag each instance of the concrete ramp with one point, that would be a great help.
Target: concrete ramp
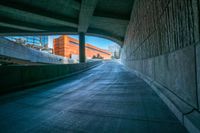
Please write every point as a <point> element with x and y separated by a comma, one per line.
<point>106,99</point>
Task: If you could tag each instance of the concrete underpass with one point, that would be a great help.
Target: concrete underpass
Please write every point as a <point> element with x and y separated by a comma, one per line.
<point>155,87</point>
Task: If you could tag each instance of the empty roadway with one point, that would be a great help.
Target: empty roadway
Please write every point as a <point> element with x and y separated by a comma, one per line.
<point>107,98</point>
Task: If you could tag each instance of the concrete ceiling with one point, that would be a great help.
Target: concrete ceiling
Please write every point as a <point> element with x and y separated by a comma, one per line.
<point>105,18</point>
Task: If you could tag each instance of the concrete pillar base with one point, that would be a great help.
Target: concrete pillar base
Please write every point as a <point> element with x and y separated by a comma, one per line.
<point>81,47</point>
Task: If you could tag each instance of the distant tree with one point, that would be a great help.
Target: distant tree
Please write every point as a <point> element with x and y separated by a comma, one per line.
<point>94,57</point>
<point>97,57</point>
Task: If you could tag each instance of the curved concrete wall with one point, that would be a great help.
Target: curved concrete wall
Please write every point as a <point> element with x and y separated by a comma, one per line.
<point>14,78</point>
<point>162,46</point>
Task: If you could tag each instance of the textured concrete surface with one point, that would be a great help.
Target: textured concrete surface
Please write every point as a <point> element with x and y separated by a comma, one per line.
<point>160,44</point>
<point>176,71</point>
<point>18,77</point>
<point>108,98</point>
<point>175,80</point>
<point>187,115</point>
<point>198,71</point>
<point>192,122</point>
<point>161,27</point>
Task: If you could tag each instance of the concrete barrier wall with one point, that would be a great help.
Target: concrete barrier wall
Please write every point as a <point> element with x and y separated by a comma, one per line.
<point>13,78</point>
<point>175,76</point>
<point>162,46</point>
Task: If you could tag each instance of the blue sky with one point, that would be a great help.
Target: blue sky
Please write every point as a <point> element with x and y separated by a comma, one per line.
<point>96,41</point>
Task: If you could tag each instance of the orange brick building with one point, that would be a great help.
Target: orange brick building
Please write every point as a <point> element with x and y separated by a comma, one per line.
<point>69,47</point>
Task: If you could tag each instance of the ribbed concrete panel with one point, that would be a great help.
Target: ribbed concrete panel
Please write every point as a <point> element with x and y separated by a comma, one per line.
<point>198,71</point>
<point>165,26</point>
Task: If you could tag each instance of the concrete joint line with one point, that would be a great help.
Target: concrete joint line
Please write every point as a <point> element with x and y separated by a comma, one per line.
<point>196,75</point>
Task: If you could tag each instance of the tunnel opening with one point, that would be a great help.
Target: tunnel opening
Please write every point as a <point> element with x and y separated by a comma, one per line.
<point>55,49</point>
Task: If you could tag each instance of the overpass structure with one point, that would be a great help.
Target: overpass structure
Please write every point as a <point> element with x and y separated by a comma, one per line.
<point>159,40</point>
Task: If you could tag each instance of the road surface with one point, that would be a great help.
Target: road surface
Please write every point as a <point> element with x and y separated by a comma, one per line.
<point>107,99</point>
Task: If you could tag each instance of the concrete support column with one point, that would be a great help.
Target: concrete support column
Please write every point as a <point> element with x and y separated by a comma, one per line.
<point>81,47</point>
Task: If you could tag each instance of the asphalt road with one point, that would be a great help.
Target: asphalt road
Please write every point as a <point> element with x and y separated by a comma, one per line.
<point>107,99</point>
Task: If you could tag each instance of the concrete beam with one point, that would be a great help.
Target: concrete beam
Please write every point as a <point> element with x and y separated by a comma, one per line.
<point>12,32</point>
<point>107,20</point>
<point>75,4</point>
<point>11,9</point>
<point>19,27</point>
<point>86,12</point>
<point>27,28</point>
<point>113,15</point>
